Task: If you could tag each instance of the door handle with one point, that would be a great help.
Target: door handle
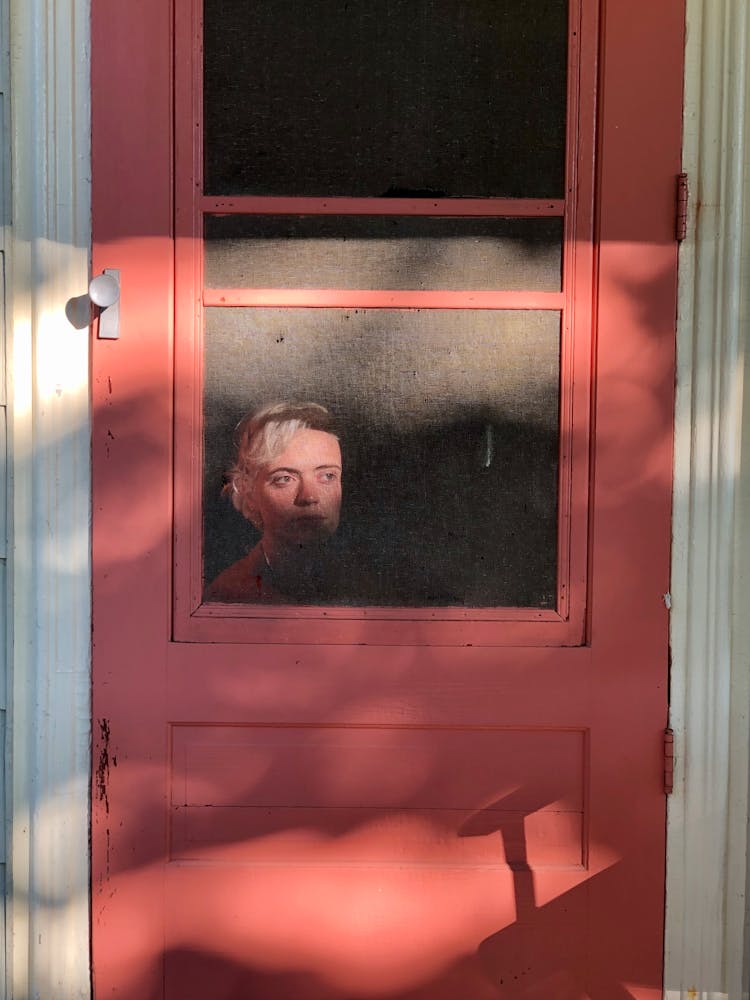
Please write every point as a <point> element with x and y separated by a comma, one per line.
<point>104,292</point>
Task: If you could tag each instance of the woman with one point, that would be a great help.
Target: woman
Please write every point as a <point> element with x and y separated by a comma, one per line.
<point>287,483</point>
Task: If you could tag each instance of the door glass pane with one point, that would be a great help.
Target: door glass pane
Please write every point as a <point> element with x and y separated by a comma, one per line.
<point>448,421</point>
<point>395,252</point>
<point>385,97</point>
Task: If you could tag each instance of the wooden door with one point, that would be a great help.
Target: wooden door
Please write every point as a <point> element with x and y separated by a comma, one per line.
<point>443,779</point>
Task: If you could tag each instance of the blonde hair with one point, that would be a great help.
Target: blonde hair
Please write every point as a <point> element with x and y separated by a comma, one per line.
<point>260,437</point>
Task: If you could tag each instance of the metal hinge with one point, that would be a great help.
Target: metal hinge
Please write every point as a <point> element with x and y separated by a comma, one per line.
<point>681,207</point>
<point>668,761</point>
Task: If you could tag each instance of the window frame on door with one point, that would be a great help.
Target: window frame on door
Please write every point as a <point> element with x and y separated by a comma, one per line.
<point>196,621</point>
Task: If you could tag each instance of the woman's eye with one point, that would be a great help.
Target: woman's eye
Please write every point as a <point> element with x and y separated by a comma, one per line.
<point>281,480</point>
<point>329,477</point>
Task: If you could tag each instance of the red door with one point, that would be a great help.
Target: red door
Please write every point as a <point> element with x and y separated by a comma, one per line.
<point>441,777</point>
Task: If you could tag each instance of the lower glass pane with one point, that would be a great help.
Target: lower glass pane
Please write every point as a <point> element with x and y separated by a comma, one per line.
<point>449,433</point>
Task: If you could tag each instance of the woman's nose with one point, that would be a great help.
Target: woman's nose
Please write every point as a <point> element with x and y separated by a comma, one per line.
<point>307,493</point>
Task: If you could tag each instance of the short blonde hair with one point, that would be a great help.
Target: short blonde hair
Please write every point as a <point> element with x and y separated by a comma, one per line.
<point>260,437</point>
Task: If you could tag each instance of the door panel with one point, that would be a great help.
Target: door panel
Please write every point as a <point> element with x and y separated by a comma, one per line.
<point>452,797</point>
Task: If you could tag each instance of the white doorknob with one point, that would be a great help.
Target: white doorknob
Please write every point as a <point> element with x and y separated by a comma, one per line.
<point>104,292</point>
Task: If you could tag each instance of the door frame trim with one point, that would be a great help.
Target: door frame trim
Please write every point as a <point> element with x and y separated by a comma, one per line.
<point>705,948</point>
<point>48,611</point>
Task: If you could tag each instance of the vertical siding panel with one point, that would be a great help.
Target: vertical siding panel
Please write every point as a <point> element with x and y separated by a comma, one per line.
<point>2,813</point>
<point>48,251</point>
<point>710,678</point>
<point>3,339</point>
<point>3,500</point>
<point>3,934</point>
<point>3,692</point>
<point>4,485</point>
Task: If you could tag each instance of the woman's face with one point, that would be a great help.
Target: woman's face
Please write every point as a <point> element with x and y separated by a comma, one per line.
<point>297,496</point>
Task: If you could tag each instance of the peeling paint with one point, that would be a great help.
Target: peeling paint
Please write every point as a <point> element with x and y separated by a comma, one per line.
<point>102,768</point>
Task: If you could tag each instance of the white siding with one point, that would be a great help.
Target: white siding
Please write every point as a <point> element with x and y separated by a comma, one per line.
<point>4,483</point>
<point>707,825</point>
<point>48,250</point>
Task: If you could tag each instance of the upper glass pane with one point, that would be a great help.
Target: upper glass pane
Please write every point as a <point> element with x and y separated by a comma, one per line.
<point>372,98</point>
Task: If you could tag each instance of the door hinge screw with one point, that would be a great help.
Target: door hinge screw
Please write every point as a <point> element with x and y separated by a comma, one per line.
<point>668,761</point>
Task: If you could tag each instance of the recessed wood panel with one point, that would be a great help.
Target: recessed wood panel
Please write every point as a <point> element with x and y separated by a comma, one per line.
<point>361,795</point>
